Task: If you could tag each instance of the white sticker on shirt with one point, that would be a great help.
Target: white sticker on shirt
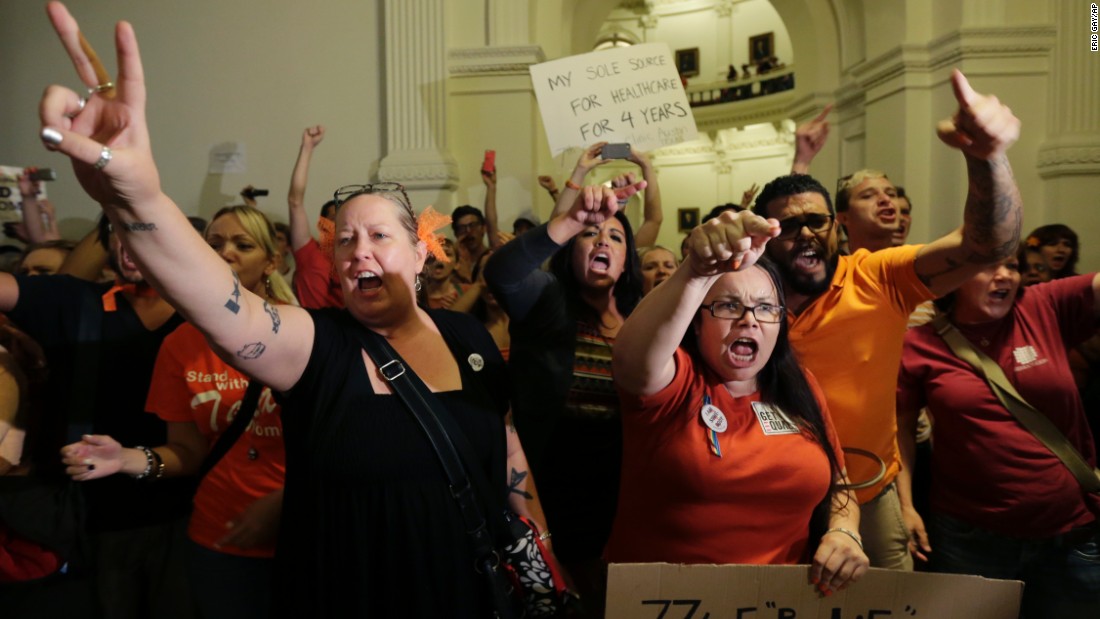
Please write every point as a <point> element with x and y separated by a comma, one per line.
<point>714,418</point>
<point>773,420</point>
<point>476,362</point>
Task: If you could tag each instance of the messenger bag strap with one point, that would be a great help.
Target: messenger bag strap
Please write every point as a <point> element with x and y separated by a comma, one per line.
<point>1034,421</point>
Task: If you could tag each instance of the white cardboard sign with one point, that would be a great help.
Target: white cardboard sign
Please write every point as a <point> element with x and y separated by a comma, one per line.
<point>628,94</point>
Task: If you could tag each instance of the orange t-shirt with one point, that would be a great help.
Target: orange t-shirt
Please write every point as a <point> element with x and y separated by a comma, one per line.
<point>679,503</point>
<point>850,337</point>
<point>191,384</point>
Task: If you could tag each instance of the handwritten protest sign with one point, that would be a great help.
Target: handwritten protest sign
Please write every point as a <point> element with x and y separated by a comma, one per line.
<point>628,94</point>
<point>652,590</point>
<point>11,200</point>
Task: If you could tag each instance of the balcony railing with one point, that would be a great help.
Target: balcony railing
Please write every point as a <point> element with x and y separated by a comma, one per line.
<point>713,93</point>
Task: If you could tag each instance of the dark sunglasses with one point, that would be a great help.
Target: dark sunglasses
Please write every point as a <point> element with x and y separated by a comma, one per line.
<point>816,222</point>
<point>348,192</point>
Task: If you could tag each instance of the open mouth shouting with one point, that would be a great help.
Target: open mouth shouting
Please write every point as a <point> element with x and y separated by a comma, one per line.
<point>600,261</point>
<point>743,351</point>
<point>808,257</point>
<point>368,280</point>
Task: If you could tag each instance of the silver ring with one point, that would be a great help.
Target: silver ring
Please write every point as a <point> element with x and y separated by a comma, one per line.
<point>101,88</point>
<point>104,159</point>
<point>81,102</point>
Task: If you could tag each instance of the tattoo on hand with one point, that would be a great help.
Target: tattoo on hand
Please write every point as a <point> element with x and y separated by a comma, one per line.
<point>234,304</point>
<point>252,351</point>
<point>274,313</point>
<point>139,227</point>
<point>517,479</point>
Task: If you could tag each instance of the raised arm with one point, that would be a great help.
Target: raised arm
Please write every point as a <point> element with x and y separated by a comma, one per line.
<point>652,216</point>
<point>983,129</point>
<point>809,139</point>
<point>547,183</point>
<point>36,230</point>
<point>588,161</point>
<point>492,221</point>
<point>296,196</point>
<point>108,143</point>
<point>642,360</point>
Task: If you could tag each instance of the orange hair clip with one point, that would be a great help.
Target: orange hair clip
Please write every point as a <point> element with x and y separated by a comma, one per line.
<point>427,223</point>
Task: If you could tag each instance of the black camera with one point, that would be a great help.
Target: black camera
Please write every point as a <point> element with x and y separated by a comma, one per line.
<point>253,193</point>
<point>43,174</point>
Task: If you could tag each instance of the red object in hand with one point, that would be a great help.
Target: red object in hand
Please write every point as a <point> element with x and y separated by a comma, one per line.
<point>490,163</point>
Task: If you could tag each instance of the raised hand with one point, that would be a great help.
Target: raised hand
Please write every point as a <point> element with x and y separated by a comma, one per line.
<point>809,139</point>
<point>489,178</point>
<point>598,203</point>
<point>729,242</point>
<point>983,127</point>
<point>29,187</point>
<point>107,139</point>
<point>590,158</point>
<point>312,136</point>
<point>750,193</point>
<point>547,183</point>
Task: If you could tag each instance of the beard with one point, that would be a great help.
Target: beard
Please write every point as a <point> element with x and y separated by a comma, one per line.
<point>805,284</point>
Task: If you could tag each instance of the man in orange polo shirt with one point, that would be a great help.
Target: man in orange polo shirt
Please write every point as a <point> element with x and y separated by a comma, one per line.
<point>848,314</point>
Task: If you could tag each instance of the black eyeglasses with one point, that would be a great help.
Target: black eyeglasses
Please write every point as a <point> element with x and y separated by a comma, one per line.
<point>348,192</point>
<point>463,228</point>
<point>735,310</point>
<point>816,222</point>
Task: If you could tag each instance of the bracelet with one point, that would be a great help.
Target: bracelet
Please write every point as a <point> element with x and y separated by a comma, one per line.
<point>158,468</point>
<point>545,536</point>
<point>846,532</point>
<point>570,184</point>
<point>149,457</point>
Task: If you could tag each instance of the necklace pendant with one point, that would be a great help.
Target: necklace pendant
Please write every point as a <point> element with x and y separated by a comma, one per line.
<point>252,453</point>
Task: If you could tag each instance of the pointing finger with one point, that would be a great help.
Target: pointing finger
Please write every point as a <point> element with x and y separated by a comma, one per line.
<point>824,113</point>
<point>964,93</point>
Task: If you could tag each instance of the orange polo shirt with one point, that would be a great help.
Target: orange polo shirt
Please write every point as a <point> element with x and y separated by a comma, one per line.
<point>850,337</point>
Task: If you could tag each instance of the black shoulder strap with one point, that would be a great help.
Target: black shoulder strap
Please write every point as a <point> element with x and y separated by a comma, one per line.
<point>236,428</point>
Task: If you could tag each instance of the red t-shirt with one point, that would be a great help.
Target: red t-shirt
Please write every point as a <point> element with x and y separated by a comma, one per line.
<point>314,284</point>
<point>679,503</point>
<point>191,384</point>
<point>987,469</point>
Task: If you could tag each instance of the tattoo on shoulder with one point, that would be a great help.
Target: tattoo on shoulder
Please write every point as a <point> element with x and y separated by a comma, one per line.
<point>252,351</point>
<point>234,303</point>
<point>276,322</point>
<point>139,226</point>
<point>515,481</point>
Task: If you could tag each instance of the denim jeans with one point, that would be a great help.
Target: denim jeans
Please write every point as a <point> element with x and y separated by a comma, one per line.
<point>1061,575</point>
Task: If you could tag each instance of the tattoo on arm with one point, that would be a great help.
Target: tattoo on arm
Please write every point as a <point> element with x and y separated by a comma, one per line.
<point>233,304</point>
<point>252,351</point>
<point>510,423</point>
<point>513,486</point>
<point>139,226</point>
<point>994,218</point>
<point>274,313</point>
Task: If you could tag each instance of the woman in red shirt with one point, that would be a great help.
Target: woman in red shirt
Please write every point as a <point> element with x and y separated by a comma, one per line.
<point>728,449</point>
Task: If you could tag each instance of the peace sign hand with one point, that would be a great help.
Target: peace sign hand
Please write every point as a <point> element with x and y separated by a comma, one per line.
<point>106,138</point>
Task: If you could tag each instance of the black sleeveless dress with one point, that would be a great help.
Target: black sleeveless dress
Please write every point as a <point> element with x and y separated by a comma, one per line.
<point>369,527</point>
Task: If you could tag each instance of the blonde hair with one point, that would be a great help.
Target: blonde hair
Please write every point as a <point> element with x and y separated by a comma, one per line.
<point>848,183</point>
<point>259,227</point>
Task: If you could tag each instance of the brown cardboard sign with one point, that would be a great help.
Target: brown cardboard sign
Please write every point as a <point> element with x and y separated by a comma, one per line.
<point>666,591</point>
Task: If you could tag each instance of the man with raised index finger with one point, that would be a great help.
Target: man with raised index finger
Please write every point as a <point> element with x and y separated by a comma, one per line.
<point>848,314</point>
